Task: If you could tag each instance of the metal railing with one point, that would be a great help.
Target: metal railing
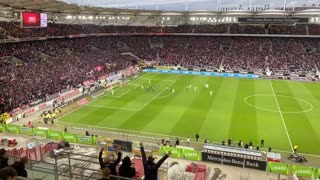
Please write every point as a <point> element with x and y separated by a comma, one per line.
<point>66,165</point>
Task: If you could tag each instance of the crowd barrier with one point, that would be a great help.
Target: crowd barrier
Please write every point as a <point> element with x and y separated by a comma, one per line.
<point>34,153</point>
<point>49,134</point>
<point>295,170</point>
<point>182,153</point>
<point>37,152</point>
<point>201,73</point>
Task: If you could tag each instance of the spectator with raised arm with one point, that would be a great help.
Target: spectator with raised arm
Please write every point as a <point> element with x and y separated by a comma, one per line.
<point>150,167</point>
<point>106,162</point>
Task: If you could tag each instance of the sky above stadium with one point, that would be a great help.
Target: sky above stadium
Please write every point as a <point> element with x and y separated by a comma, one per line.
<point>180,5</point>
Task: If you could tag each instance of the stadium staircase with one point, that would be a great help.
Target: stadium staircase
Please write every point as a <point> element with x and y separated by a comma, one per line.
<point>228,29</point>
<point>12,59</point>
<point>3,33</point>
<point>307,29</point>
<point>132,55</point>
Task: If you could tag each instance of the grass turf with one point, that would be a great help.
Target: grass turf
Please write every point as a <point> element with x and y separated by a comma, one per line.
<point>242,109</point>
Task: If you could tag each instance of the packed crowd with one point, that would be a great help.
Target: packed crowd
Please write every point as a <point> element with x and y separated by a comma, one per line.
<point>31,71</point>
<point>280,29</point>
<point>14,29</point>
<point>39,69</point>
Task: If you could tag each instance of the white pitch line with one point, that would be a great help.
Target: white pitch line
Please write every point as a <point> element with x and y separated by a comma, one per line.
<point>157,95</point>
<point>158,79</point>
<point>281,115</point>
<point>165,135</point>
<point>112,107</point>
<point>91,101</point>
<point>123,93</point>
<point>77,108</point>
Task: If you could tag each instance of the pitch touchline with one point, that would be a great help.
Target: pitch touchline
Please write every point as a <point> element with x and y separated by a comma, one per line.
<point>163,135</point>
<point>281,115</point>
<point>111,107</point>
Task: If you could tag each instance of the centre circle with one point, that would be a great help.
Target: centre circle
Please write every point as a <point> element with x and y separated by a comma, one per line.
<point>309,105</point>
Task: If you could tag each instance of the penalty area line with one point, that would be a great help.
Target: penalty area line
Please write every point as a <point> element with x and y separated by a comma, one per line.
<point>92,101</point>
<point>157,95</point>
<point>136,86</point>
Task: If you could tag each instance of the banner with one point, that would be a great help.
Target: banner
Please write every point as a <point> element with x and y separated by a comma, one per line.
<point>26,131</point>
<point>2,127</point>
<point>83,101</point>
<point>214,158</point>
<point>85,139</point>
<point>54,135</point>
<point>88,82</point>
<point>176,153</point>
<point>12,128</point>
<point>303,171</point>
<point>233,161</point>
<point>191,154</point>
<point>279,168</point>
<point>40,132</point>
<point>273,20</point>
<point>68,94</point>
<point>69,137</point>
<point>255,164</point>
<point>233,75</point>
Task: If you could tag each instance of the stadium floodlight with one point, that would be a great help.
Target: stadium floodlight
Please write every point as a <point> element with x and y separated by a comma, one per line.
<point>312,19</point>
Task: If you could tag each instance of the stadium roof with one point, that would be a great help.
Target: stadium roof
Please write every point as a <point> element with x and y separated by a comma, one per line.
<point>66,7</point>
<point>193,5</point>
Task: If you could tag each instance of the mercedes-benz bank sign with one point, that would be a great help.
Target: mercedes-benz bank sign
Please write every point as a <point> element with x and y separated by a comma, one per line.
<point>234,161</point>
<point>255,164</point>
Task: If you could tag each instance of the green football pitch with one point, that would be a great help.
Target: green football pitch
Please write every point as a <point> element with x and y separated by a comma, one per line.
<point>283,113</point>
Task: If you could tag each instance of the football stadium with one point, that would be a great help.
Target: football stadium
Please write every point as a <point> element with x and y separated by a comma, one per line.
<point>159,90</point>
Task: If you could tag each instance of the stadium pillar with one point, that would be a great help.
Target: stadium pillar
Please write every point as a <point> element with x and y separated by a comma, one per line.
<point>186,5</point>
<point>56,175</point>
